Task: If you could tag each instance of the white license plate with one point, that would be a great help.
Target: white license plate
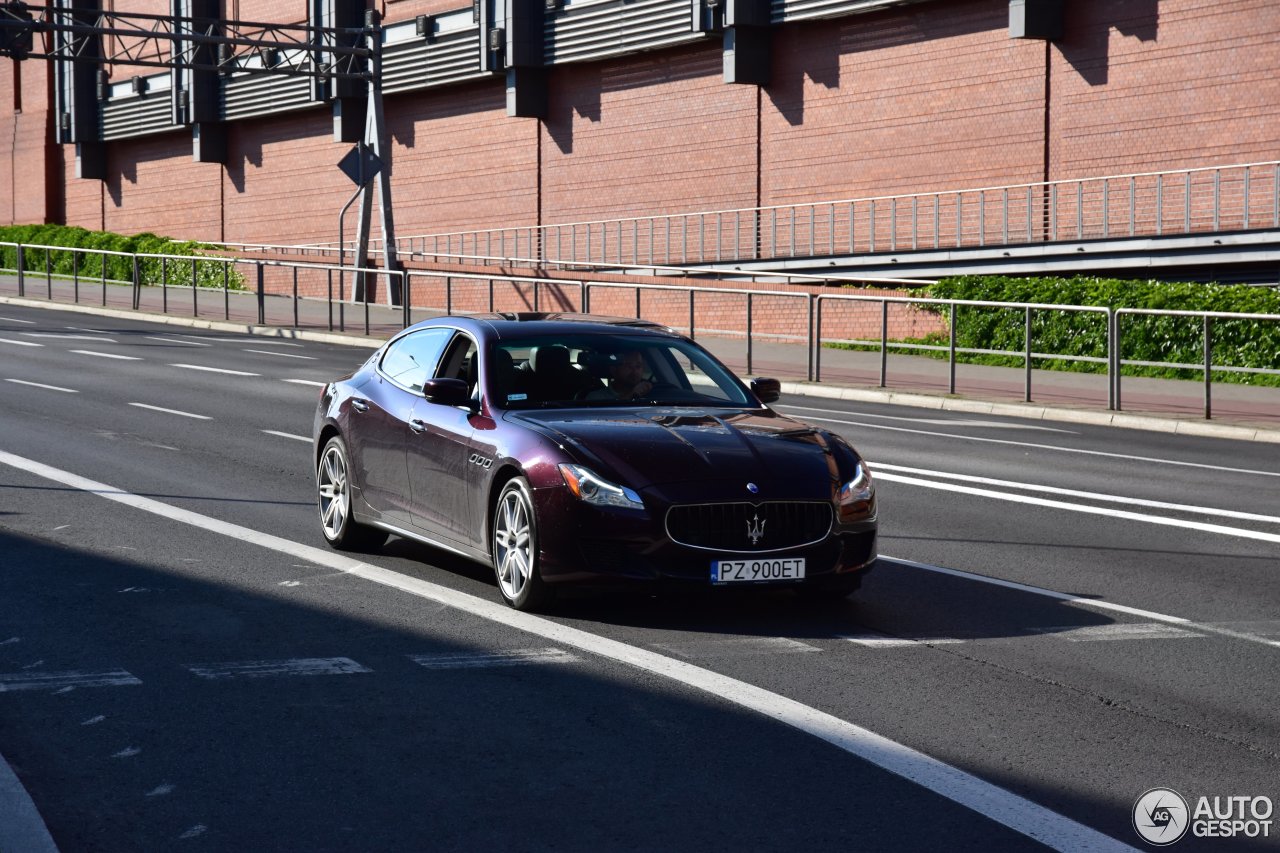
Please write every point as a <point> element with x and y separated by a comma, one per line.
<point>757,571</point>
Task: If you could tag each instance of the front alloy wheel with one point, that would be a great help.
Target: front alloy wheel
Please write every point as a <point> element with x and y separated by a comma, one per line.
<point>515,548</point>
<point>333,499</point>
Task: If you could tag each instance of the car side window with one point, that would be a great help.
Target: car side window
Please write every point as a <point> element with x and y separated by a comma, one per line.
<point>460,362</point>
<point>411,360</point>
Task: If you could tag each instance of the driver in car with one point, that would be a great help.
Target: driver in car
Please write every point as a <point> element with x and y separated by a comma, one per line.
<point>627,374</point>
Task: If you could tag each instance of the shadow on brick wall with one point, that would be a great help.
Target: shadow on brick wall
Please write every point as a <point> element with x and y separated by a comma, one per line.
<point>1086,44</point>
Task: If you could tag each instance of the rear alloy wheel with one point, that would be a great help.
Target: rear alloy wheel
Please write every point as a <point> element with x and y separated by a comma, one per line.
<point>515,548</point>
<point>333,499</point>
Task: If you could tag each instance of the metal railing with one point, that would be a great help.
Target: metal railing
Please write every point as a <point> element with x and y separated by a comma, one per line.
<point>1146,204</point>
<point>811,326</point>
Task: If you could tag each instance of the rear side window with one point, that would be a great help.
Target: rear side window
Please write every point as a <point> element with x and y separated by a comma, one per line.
<point>411,360</point>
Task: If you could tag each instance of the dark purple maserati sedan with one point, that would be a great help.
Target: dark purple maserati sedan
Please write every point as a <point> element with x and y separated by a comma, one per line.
<point>570,448</point>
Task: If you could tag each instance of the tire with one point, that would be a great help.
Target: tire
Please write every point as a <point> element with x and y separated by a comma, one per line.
<point>333,500</point>
<point>514,534</point>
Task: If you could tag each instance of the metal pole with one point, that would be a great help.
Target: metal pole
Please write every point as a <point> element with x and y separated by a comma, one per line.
<point>22,271</point>
<point>884,342</point>
<point>749,318</point>
<point>137,282</point>
<point>75,276</point>
<point>951,384</point>
<point>295,297</point>
<point>817,340</point>
<point>164,285</point>
<point>1119,345</point>
<point>692,330</point>
<point>810,372</point>
<point>329,282</point>
<point>1111,359</point>
<point>637,302</point>
<point>406,287</point>
<point>448,296</point>
<point>195,303</point>
<point>491,295</point>
<point>104,279</point>
<point>1208,367</point>
<point>262,296</point>
<point>1027,356</point>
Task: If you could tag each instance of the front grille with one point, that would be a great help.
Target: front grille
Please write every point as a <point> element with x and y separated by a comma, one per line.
<point>774,525</point>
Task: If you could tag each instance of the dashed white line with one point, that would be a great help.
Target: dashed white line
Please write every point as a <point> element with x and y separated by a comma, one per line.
<point>16,320</point>
<point>873,640</point>
<point>277,668</point>
<point>172,411</point>
<point>160,791</point>
<point>106,355</point>
<point>97,338</point>
<point>128,752</point>
<point>310,382</point>
<point>94,331</point>
<point>225,370</point>
<point>481,660</point>
<point>176,341</point>
<point>305,438</point>
<point>20,343</point>
<point>93,721</point>
<point>282,354</point>
<point>57,680</point>
<point>984,798</point>
<point>1119,631</point>
<point>42,385</point>
<point>737,647</point>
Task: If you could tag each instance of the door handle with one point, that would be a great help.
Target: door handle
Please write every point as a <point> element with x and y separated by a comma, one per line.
<point>418,425</point>
<point>360,406</point>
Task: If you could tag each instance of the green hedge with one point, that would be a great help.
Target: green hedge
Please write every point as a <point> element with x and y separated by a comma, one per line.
<point>1236,343</point>
<point>207,273</point>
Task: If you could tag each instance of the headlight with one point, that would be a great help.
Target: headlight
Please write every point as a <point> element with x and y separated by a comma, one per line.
<point>586,485</point>
<point>857,495</point>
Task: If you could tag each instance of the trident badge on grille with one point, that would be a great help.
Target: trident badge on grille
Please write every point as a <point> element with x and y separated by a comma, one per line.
<point>755,528</point>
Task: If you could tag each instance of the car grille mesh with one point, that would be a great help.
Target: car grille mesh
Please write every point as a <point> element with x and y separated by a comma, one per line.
<point>773,525</point>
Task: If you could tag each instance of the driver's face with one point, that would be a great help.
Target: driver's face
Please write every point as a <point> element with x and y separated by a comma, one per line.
<point>630,367</point>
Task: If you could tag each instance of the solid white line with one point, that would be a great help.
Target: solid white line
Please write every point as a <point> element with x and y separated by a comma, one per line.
<point>484,660</point>
<point>42,385</point>
<point>961,422</point>
<point>97,338</point>
<point>106,355</point>
<point>176,341</point>
<point>276,668</point>
<point>305,438</point>
<point>1204,527</point>
<point>20,343</point>
<point>57,680</point>
<point>305,382</point>
<point>995,803</point>
<point>16,320</point>
<point>172,411</point>
<point>1091,603</point>
<point>1074,493</point>
<point>215,369</point>
<point>94,331</point>
<point>282,354</point>
<point>737,648</point>
<point>1119,631</point>
<point>1033,445</point>
<point>884,641</point>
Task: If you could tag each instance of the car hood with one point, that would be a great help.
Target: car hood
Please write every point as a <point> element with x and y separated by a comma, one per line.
<point>650,447</point>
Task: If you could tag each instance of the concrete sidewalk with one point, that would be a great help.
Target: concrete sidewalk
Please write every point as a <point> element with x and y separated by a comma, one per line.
<point>1238,411</point>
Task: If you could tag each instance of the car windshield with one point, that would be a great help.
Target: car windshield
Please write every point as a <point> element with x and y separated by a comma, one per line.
<point>608,370</point>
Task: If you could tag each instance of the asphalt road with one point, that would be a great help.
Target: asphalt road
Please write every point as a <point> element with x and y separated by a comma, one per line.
<point>1065,618</point>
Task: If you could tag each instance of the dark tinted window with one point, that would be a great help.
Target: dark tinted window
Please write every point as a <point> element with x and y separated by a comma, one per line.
<point>411,360</point>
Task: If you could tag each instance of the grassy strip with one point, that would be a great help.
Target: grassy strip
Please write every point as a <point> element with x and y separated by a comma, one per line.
<point>152,270</point>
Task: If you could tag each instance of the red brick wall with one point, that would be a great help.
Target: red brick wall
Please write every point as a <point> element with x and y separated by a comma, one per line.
<point>154,185</point>
<point>924,97</point>
<point>27,158</point>
<point>657,132</point>
<point>1142,86</point>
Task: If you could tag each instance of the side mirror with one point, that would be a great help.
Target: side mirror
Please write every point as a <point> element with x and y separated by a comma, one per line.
<point>447,392</point>
<point>768,390</point>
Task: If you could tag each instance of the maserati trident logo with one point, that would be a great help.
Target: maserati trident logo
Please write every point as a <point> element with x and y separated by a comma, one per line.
<point>755,528</point>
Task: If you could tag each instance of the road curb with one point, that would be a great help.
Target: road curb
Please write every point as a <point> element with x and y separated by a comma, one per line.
<point>916,400</point>
<point>21,826</point>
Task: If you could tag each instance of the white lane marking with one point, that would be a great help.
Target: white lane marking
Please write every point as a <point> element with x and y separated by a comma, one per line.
<point>937,421</point>
<point>305,438</point>
<point>984,798</point>
<point>1074,493</point>
<point>483,660</point>
<point>128,752</point>
<point>20,343</point>
<point>106,355</point>
<point>1119,631</point>
<point>215,369</point>
<point>176,341</point>
<point>737,647</point>
<point>93,721</point>
<point>97,338</point>
<point>11,640</point>
<point>194,832</point>
<point>874,640</point>
<point>38,663</point>
<point>276,668</point>
<point>14,682</point>
<point>1090,603</point>
<point>16,320</point>
<point>94,331</point>
<point>1204,527</point>
<point>160,790</point>
<point>282,354</point>
<point>254,340</point>
<point>305,382</point>
<point>172,411</point>
<point>42,385</point>
<point>1034,446</point>
<point>61,527</point>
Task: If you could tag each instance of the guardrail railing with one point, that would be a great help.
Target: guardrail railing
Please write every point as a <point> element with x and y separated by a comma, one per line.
<point>1183,201</point>
<point>802,318</point>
